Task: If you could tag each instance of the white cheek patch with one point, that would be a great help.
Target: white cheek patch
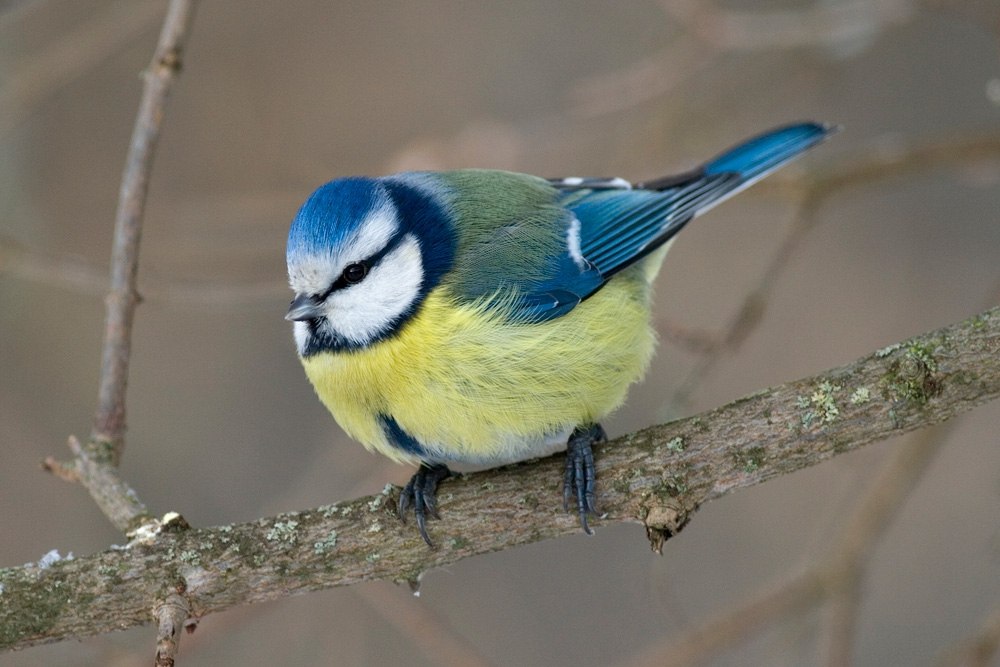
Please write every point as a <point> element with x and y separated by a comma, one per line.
<point>300,330</point>
<point>362,312</point>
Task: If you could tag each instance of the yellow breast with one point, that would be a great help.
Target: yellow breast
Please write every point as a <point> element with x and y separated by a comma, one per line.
<point>470,386</point>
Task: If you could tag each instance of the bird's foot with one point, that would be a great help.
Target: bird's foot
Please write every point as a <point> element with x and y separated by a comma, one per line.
<point>580,478</point>
<point>421,494</point>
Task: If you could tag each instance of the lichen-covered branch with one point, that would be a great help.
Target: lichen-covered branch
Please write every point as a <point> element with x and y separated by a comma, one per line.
<point>656,477</point>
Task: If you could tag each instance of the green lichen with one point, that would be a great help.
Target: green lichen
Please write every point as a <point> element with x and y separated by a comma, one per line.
<point>190,556</point>
<point>284,532</point>
<point>621,486</point>
<point>529,501</point>
<point>40,602</point>
<point>676,445</point>
<point>110,573</point>
<point>923,353</point>
<point>823,400</point>
<point>373,557</point>
<point>700,425</point>
<point>750,460</point>
<point>860,396</point>
<point>886,351</point>
<point>326,544</point>
<point>671,485</point>
<point>979,322</point>
<point>820,406</point>
<point>457,543</point>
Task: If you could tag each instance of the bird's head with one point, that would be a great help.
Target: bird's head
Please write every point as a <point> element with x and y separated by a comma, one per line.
<point>362,254</point>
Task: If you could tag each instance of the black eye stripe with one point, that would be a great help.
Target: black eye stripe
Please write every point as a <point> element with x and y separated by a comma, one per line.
<point>368,264</point>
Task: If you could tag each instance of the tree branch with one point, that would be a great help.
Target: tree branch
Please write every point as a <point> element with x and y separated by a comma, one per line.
<point>95,462</point>
<point>109,422</point>
<point>656,477</point>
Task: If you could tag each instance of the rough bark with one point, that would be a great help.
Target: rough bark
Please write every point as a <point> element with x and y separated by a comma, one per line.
<point>656,477</point>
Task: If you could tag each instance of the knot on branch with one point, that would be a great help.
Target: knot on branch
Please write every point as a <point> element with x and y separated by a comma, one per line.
<point>170,61</point>
<point>914,376</point>
<point>662,522</point>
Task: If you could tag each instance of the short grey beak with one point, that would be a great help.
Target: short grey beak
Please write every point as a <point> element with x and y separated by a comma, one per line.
<point>303,307</point>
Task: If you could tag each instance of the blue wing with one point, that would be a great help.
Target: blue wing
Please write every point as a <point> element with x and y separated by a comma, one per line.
<point>619,224</point>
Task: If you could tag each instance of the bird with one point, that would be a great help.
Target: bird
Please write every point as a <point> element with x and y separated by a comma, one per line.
<point>484,317</point>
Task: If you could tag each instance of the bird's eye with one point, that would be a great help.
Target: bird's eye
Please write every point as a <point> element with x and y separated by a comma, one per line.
<point>354,272</point>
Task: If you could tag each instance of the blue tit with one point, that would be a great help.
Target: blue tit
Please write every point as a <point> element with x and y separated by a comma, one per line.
<point>485,317</point>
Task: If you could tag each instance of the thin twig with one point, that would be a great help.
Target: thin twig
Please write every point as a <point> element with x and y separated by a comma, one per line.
<point>838,25</point>
<point>843,619</point>
<point>697,645</point>
<point>424,630</point>
<point>116,499</point>
<point>751,312</point>
<point>978,649</point>
<point>96,461</point>
<point>170,616</point>
<point>109,422</point>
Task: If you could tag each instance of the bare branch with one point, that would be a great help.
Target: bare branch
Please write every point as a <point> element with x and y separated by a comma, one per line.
<point>116,499</point>
<point>422,627</point>
<point>170,616</point>
<point>656,477</point>
<point>96,462</point>
<point>796,595</point>
<point>979,649</point>
<point>109,422</point>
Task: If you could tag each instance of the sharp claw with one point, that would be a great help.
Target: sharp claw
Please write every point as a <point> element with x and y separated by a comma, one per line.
<point>405,500</point>
<point>580,476</point>
<point>423,530</point>
<point>421,494</point>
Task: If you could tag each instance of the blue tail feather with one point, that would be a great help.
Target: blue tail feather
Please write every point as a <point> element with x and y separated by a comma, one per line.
<point>619,227</point>
<point>758,156</point>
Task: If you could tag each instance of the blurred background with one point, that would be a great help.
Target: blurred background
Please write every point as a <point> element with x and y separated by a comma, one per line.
<point>890,229</point>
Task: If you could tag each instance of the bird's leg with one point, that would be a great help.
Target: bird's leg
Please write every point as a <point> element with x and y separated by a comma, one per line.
<point>421,494</point>
<point>579,478</point>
